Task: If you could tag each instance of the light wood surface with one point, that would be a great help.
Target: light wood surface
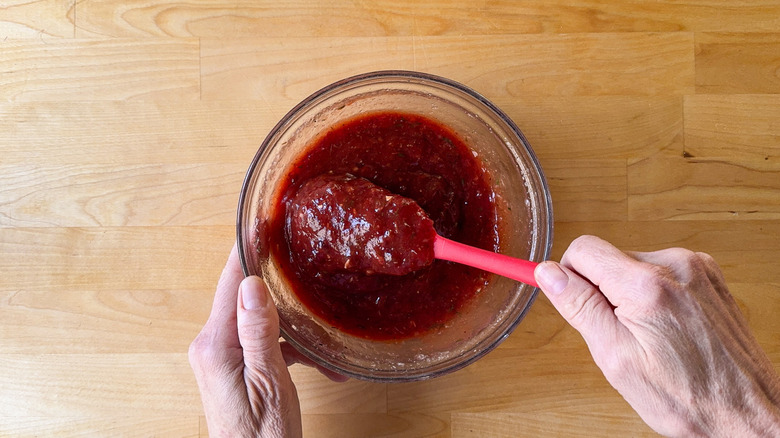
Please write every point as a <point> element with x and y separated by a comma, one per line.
<point>126,127</point>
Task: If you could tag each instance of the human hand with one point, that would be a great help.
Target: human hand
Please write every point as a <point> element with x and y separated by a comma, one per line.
<point>667,334</point>
<point>240,365</point>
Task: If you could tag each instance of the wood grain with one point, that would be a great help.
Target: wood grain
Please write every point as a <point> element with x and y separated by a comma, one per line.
<point>117,195</point>
<point>67,69</point>
<point>126,127</point>
<point>327,397</point>
<point>512,424</point>
<point>140,385</point>
<point>98,385</point>
<point>97,322</point>
<point>505,381</point>
<point>127,426</point>
<point>703,189</point>
<point>133,133</point>
<point>733,127</point>
<point>376,425</point>
<point>734,63</point>
<point>594,128</point>
<point>513,65</point>
<point>36,19</point>
<point>758,302</point>
<point>113,258</point>
<point>587,190</point>
<point>287,18</point>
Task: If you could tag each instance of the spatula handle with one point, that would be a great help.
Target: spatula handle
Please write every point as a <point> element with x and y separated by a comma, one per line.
<point>516,269</point>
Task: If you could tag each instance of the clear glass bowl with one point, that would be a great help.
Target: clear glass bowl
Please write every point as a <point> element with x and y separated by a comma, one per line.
<point>525,226</point>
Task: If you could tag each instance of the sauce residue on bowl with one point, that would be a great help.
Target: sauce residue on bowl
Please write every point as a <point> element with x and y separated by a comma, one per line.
<point>417,158</point>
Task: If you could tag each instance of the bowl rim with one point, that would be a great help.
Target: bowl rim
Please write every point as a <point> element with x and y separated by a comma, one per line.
<point>547,229</point>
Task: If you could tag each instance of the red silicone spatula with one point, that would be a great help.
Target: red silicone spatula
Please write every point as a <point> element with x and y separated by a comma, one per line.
<point>349,224</point>
<point>516,269</point>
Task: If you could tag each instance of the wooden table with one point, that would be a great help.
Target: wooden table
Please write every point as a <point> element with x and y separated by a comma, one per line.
<point>126,127</point>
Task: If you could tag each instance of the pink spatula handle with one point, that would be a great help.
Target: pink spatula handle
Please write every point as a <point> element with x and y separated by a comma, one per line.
<point>516,269</point>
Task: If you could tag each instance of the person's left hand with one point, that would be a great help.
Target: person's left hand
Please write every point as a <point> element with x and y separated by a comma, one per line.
<point>240,365</point>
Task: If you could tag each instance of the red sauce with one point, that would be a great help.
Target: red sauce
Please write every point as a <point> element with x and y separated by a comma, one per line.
<point>345,224</point>
<point>414,157</point>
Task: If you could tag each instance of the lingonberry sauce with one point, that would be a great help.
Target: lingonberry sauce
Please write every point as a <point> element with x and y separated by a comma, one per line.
<point>412,156</point>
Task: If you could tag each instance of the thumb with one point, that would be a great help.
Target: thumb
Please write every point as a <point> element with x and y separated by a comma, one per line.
<point>258,326</point>
<point>580,303</point>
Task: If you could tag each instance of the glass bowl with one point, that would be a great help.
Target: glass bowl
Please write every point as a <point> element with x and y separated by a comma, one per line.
<point>522,198</point>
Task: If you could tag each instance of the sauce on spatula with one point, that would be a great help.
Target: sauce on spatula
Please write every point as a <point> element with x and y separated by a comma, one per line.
<point>344,223</point>
<point>340,223</point>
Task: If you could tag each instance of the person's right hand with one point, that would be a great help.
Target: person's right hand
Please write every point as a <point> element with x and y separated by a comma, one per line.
<point>668,335</point>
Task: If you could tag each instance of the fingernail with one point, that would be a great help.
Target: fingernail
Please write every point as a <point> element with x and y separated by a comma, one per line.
<point>253,295</point>
<point>551,278</point>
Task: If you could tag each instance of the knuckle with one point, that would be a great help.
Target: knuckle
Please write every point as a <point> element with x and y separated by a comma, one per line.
<point>615,363</point>
<point>260,331</point>
<point>688,262</point>
<point>654,283</point>
<point>707,261</point>
<point>202,351</point>
<point>688,259</point>
<point>582,242</point>
<point>622,365</point>
<point>580,311</point>
<point>581,247</point>
<point>195,351</point>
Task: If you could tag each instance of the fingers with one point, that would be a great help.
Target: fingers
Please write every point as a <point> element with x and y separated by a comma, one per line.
<point>620,277</point>
<point>216,349</point>
<point>681,264</point>
<point>293,356</point>
<point>258,330</point>
<point>688,267</point>
<point>581,304</point>
<point>701,277</point>
<point>715,274</point>
<point>222,320</point>
<point>258,327</point>
<point>258,322</point>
